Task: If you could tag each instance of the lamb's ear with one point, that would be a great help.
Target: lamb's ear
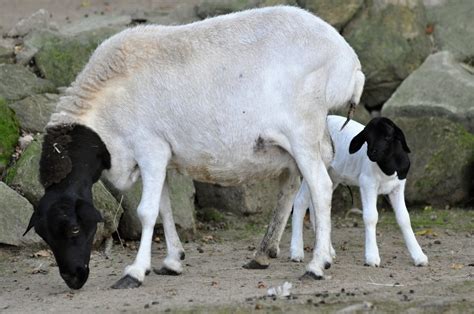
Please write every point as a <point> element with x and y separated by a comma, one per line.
<point>401,137</point>
<point>357,142</point>
<point>31,224</point>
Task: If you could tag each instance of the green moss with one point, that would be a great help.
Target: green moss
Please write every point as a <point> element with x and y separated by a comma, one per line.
<point>209,214</point>
<point>9,133</point>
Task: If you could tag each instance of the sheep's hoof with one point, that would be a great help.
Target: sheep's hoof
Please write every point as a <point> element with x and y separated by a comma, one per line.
<point>253,264</point>
<point>163,271</point>
<point>311,275</point>
<point>147,272</point>
<point>127,282</point>
<point>273,252</point>
<point>182,255</point>
<point>327,265</point>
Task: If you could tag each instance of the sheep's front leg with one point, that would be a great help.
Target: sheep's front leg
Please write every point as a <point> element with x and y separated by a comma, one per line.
<point>403,219</point>
<point>368,194</point>
<point>301,204</point>
<point>153,177</point>
<point>172,263</point>
<point>269,247</point>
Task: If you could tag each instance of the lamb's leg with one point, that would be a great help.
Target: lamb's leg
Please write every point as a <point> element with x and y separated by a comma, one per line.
<point>301,204</point>
<point>269,247</point>
<point>403,219</point>
<point>153,170</point>
<point>172,262</point>
<point>368,195</point>
<point>320,186</point>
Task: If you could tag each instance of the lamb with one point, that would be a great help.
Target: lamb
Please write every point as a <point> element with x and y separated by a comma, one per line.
<point>224,100</point>
<point>378,167</point>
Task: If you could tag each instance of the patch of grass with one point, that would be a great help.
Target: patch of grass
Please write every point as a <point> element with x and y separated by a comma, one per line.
<point>428,217</point>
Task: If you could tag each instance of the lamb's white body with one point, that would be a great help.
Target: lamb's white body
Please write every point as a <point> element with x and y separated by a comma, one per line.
<point>357,170</point>
<point>237,97</point>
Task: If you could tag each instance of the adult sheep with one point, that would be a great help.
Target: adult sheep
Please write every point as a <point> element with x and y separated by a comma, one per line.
<point>228,99</point>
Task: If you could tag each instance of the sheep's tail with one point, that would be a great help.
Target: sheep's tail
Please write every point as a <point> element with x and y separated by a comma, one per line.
<point>359,81</point>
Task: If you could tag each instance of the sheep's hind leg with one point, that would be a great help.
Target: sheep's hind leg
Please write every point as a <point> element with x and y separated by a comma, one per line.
<point>172,263</point>
<point>269,247</point>
<point>153,177</point>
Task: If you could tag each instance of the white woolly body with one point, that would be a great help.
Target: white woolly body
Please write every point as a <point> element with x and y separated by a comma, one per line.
<point>227,99</point>
<point>210,89</point>
<point>357,170</point>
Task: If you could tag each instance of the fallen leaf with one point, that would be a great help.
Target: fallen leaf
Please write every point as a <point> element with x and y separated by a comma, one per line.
<point>261,285</point>
<point>426,232</point>
<point>457,266</point>
<point>42,253</point>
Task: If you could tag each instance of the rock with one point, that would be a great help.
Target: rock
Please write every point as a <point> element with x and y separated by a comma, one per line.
<point>96,22</point>
<point>361,115</point>
<point>209,8</point>
<point>441,87</point>
<point>182,192</point>
<point>38,20</point>
<point>16,82</point>
<point>34,111</point>
<point>183,13</point>
<point>442,161</point>
<point>60,58</point>
<point>252,198</point>
<point>9,134</point>
<point>453,26</point>
<point>390,40</point>
<point>7,48</point>
<point>337,13</point>
<point>23,176</point>
<point>15,213</point>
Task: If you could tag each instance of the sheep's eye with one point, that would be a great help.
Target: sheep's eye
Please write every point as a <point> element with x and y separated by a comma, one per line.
<point>74,231</point>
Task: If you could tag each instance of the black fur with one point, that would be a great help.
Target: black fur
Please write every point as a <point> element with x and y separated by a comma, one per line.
<point>72,160</point>
<point>386,145</point>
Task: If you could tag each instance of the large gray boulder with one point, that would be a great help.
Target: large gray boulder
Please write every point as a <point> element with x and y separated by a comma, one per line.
<point>259,197</point>
<point>182,193</point>
<point>442,161</point>
<point>41,19</point>
<point>441,87</point>
<point>390,40</point>
<point>33,112</point>
<point>23,176</point>
<point>15,213</point>
<point>7,48</point>
<point>9,134</point>
<point>17,82</point>
<point>453,25</point>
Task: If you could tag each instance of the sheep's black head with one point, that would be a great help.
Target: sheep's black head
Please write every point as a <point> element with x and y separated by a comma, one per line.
<point>72,160</point>
<point>68,226</point>
<point>386,145</point>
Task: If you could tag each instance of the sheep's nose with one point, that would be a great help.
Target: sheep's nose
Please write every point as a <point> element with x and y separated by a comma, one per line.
<point>76,280</point>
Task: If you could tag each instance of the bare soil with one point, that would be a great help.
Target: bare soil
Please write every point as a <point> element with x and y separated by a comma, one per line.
<point>214,280</point>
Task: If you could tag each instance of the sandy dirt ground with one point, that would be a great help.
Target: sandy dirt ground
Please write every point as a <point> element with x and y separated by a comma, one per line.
<point>214,280</point>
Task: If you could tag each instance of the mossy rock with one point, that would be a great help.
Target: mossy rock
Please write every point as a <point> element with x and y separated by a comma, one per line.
<point>60,58</point>
<point>9,134</point>
<point>442,161</point>
<point>209,8</point>
<point>33,112</point>
<point>336,12</point>
<point>17,82</point>
<point>391,42</point>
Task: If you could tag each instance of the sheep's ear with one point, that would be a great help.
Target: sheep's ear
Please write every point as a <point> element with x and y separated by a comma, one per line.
<point>87,212</point>
<point>357,142</point>
<point>401,137</point>
<point>31,224</point>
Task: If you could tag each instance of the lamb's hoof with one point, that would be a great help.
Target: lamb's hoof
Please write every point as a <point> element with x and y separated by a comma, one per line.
<point>127,282</point>
<point>147,272</point>
<point>311,275</point>
<point>421,261</point>
<point>163,271</point>
<point>182,255</point>
<point>297,259</point>
<point>327,265</point>
<point>255,265</point>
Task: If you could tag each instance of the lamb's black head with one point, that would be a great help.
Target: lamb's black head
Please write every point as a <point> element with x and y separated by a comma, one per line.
<point>386,145</point>
<point>72,160</point>
<point>68,225</point>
